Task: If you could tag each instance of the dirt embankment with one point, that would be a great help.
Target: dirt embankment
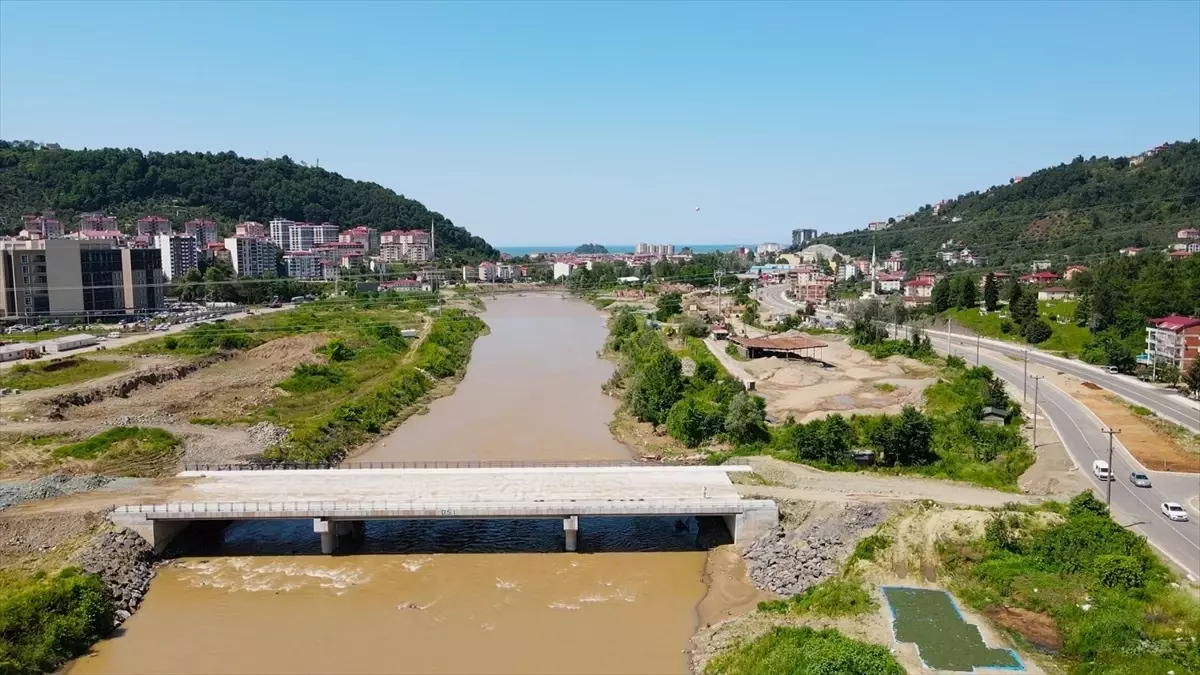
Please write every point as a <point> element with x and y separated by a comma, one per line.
<point>56,406</point>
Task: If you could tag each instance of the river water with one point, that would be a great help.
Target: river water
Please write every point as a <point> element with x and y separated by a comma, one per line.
<point>451,596</point>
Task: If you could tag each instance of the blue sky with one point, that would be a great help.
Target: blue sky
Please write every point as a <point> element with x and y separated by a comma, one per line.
<point>545,123</point>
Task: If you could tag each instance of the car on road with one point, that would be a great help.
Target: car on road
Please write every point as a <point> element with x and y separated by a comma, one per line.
<point>1139,479</point>
<point>1100,470</point>
<point>1112,370</point>
<point>1174,511</point>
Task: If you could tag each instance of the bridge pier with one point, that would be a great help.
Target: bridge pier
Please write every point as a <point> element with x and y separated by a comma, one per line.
<point>328,531</point>
<point>571,530</point>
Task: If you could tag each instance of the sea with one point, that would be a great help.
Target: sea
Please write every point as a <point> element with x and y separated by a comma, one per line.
<point>516,251</point>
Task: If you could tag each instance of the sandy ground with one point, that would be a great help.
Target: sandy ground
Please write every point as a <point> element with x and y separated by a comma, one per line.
<point>845,380</point>
<point>225,390</point>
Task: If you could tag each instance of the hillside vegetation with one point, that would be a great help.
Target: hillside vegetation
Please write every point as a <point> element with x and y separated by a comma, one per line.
<point>1086,207</point>
<point>129,183</point>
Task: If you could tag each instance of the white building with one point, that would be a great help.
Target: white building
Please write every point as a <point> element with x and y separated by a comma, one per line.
<point>251,256</point>
<point>769,248</point>
<point>324,233</point>
<point>505,273</point>
<point>280,229</point>
<point>660,250</point>
<point>303,265</point>
<point>179,254</point>
<point>301,237</point>
<point>407,245</point>
<point>564,269</point>
<point>487,271</point>
<point>470,273</point>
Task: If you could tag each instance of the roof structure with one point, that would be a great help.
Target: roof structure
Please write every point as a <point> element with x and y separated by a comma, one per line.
<point>778,344</point>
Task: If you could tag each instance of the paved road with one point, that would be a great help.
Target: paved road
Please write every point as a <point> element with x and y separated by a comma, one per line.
<point>138,337</point>
<point>1081,434</point>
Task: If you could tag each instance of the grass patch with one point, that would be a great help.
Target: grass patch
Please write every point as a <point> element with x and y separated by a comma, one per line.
<point>125,451</point>
<point>732,350</point>
<point>1139,410</point>
<point>47,621</point>
<point>1107,594</point>
<point>70,370</point>
<point>867,547</point>
<point>837,597</point>
<point>804,651</point>
<point>885,387</point>
<point>307,378</point>
<point>1066,338</point>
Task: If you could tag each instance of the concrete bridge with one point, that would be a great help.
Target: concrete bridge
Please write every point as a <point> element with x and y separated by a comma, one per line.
<point>339,500</point>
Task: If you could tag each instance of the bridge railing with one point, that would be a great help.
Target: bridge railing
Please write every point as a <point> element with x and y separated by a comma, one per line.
<point>482,464</point>
<point>335,509</point>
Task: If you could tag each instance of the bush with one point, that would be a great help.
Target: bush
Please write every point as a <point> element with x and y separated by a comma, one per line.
<point>1036,331</point>
<point>688,423</point>
<point>307,378</point>
<point>835,598</point>
<point>804,651</point>
<point>869,546</point>
<point>1119,571</point>
<point>46,622</point>
<point>338,351</point>
<point>745,422</point>
<point>669,304</point>
<point>1007,326</point>
<point>692,326</point>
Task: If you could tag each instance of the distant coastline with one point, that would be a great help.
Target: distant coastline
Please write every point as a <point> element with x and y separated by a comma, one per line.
<point>612,248</point>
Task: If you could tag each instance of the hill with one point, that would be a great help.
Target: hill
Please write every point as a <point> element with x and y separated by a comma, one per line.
<point>223,186</point>
<point>591,248</point>
<point>1070,211</point>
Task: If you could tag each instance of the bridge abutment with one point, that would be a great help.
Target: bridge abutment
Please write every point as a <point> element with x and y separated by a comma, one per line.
<point>758,517</point>
<point>571,530</point>
<point>157,533</point>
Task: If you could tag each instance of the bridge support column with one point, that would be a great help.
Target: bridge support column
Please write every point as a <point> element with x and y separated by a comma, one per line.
<point>328,530</point>
<point>571,529</point>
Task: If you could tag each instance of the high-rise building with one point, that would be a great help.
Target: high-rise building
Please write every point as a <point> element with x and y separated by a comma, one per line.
<point>366,237</point>
<point>45,226</point>
<point>205,231</point>
<point>408,245</point>
<point>178,253</point>
<point>280,232</point>
<point>251,256</point>
<point>800,237</point>
<point>77,277</point>
<point>325,233</point>
<point>301,237</point>
<point>251,229</point>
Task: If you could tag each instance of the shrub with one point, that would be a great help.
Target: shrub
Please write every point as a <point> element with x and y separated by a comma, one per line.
<point>804,651</point>
<point>997,534</point>
<point>338,351</point>
<point>688,423</point>
<point>867,547</point>
<point>835,598</point>
<point>307,378</point>
<point>1036,331</point>
<point>745,421</point>
<point>1119,571</point>
<point>170,342</point>
<point>46,622</point>
<point>692,326</point>
<point>1007,326</point>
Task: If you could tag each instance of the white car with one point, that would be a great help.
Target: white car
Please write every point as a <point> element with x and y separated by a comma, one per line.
<point>1174,511</point>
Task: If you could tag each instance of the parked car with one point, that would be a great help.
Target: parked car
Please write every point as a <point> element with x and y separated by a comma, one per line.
<point>1139,479</point>
<point>1174,511</point>
<point>114,335</point>
<point>1100,470</point>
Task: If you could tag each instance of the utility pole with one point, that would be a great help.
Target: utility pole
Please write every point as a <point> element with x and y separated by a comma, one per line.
<point>949,347</point>
<point>1108,488</point>
<point>976,351</point>
<point>1025,380</point>
<point>717,278</point>
<point>1036,379</point>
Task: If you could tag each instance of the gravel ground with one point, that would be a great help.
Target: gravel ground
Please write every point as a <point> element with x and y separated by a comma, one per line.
<point>57,485</point>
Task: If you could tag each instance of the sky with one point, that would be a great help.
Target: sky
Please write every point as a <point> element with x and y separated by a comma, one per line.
<point>562,123</point>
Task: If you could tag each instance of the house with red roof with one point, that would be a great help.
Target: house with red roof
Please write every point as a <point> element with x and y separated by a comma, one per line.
<point>1042,278</point>
<point>1174,339</point>
<point>1072,271</point>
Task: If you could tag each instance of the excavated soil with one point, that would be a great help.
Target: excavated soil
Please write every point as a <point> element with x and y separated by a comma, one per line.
<point>1038,629</point>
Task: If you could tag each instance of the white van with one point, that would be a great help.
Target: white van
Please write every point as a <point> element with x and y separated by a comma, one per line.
<point>1100,468</point>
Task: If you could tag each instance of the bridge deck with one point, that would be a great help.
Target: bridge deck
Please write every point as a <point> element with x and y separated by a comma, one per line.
<point>475,492</point>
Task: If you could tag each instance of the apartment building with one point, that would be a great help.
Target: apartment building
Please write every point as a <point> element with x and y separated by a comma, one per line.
<point>800,237</point>
<point>301,237</point>
<point>279,230</point>
<point>204,231</point>
<point>1174,339</point>
<point>325,234</point>
<point>178,253</point>
<point>366,237</point>
<point>66,277</point>
<point>406,245</point>
<point>251,228</point>
<point>152,226</point>
<point>660,250</point>
<point>97,221</point>
<point>251,256</point>
<point>303,265</point>
<point>45,226</point>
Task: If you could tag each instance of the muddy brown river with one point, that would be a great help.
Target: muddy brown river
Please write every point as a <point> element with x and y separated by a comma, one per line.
<point>451,596</point>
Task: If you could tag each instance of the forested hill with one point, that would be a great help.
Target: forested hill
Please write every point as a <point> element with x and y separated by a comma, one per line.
<point>1089,206</point>
<point>222,186</point>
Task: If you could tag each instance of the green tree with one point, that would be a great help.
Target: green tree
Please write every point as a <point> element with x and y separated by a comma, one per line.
<point>1012,291</point>
<point>688,423</point>
<point>837,439</point>
<point>693,326</point>
<point>1025,309</point>
<point>656,386</point>
<point>750,314</point>
<point>942,296</point>
<point>745,421</point>
<point>1191,379</point>
<point>991,293</point>
<point>669,304</point>
<point>966,294</point>
<point>1166,372</point>
<point>906,439</point>
<point>622,324</point>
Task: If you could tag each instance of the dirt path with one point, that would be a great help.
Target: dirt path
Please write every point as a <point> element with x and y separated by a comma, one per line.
<point>799,482</point>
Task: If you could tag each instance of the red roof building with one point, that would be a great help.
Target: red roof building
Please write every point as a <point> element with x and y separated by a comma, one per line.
<point>1040,278</point>
<point>1174,339</point>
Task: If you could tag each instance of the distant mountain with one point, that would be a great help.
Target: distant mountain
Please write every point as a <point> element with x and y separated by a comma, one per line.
<point>591,248</point>
<point>222,186</point>
<point>1070,211</point>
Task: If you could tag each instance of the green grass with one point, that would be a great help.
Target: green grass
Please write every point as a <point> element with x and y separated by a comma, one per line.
<point>125,451</point>
<point>69,370</point>
<point>1065,338</point>
<point>885,387</point>
<point>833,598</point>
<point>804,651</point>
<point>1143,411</point>
<point>867,547</point>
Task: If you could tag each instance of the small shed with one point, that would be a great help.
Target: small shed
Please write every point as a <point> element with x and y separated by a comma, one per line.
<point>718,332</point>
<point>992,415</point>
<point>753,348</point>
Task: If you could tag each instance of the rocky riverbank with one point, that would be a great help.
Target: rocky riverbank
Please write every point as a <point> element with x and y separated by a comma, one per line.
<point>124,562</point>
<point>790,560</point>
